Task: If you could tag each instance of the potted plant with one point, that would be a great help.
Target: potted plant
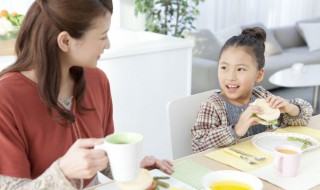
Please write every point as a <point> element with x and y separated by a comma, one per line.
<point>169,17</point>
<point>10,23</point>
<point>9,28</point>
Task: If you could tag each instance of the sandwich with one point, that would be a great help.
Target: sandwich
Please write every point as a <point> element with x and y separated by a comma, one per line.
<point>269,116</point>
<point>144,181</point>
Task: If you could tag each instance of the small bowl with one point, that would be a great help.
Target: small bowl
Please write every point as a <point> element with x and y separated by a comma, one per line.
<point>232,175</point>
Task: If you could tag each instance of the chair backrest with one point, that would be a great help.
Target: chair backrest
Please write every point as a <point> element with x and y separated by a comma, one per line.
<point>182,114</point>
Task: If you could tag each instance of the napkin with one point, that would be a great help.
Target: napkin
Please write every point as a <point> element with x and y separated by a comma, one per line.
<point>190,173</point>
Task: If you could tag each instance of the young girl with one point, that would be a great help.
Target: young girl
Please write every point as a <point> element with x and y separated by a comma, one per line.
<point>227,116</point>
<point>55,105</point>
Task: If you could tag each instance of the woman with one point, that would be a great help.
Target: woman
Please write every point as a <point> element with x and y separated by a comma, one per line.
<point>55,105</point>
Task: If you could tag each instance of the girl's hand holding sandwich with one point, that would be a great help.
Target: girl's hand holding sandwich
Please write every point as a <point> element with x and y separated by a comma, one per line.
<point>283,105</point>
<point>246,120</point>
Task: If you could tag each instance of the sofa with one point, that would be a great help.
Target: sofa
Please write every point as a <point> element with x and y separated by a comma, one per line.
<point>284,47</point>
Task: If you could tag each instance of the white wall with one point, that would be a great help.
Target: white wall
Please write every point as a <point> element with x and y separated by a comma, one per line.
<point>127,18</point>
<point>146,71</point>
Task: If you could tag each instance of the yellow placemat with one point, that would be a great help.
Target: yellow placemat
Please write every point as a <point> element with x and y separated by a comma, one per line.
<point>221,156</point>
<point>238,163</point>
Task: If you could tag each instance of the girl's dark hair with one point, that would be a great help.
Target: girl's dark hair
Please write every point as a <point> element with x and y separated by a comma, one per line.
<point>252,39</point>
<point>37,48</point>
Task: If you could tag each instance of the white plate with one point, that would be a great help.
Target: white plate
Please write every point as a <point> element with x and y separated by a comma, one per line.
<point>174,183</point>
<point>267,141</point>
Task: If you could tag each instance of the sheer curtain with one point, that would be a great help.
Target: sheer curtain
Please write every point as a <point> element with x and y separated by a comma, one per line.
<point>219,14</point>
<point>214,14</point>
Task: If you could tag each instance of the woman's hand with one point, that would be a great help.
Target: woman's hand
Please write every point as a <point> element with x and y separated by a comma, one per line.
<point>82,161</point>
<point>246,120</point>
<point>150,162</point>
<point>283,105</point>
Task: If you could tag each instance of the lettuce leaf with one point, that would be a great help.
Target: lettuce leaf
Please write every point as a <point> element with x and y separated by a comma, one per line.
<point>272,122</point>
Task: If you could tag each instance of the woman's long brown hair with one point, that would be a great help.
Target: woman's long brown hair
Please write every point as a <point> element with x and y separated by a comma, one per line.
<point>36,45</point>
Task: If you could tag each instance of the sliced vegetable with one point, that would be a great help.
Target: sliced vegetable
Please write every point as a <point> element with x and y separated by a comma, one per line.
<point>305,142</point>
<point>163,184</point>
<point>161,177</point>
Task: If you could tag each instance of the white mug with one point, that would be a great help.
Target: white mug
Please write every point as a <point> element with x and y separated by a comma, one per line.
<point>298,67</point>
<point>286,160</point>
<point>125,153</point>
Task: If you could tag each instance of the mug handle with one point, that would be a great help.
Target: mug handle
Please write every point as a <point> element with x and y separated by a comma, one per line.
<point>100,146</point>
<point>278,164</point>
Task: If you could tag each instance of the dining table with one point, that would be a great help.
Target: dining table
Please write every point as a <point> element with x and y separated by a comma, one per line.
<point>213,165</point>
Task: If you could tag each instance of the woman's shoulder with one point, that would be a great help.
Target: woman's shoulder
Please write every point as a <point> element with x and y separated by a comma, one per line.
<point>93,71</point>
<point>13,80</point>
<point>9,77</point>
<point>95,74</point>
<point>15,87</point>
<point>96,80</point>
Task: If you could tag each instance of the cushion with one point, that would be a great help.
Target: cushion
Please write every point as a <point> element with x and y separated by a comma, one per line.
<point>205,44</point>
<point>312,20</point>
<point>288,37</point>
<point>272,45</point>
<point>311,33</point>
<point>225,34</point>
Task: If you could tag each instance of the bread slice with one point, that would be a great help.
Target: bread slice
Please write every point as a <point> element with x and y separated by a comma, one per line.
<point>269,115</point>
<point>143,181</point>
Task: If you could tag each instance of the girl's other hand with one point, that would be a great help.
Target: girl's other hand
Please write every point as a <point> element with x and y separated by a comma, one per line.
<point>276,102</point>
<point>283,105</point>
<point>150,162</point>
<point>82,161</point>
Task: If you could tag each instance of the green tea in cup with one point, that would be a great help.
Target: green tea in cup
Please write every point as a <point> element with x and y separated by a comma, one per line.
<point>125,153</point>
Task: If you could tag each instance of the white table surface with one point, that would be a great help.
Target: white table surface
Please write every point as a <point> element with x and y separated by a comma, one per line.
<point>288,78</point>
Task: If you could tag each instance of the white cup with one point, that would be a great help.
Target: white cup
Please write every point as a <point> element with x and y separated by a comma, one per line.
<point>298,67</point>
<point>125,153</point>
<point>286,160</point>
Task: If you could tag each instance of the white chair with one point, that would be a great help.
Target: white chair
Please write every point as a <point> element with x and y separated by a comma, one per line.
<point>182,114</point>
